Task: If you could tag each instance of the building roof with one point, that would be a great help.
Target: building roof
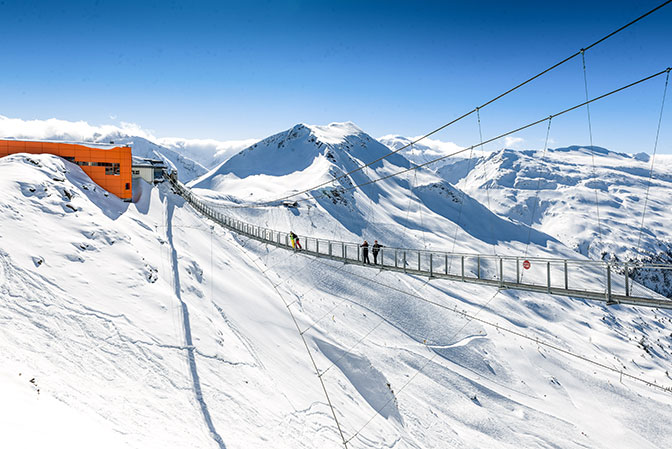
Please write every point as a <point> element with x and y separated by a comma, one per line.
<point>100,146</point>
<point>139,162</point>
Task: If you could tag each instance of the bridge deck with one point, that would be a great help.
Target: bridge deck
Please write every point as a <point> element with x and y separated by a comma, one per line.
<point>485,269</point>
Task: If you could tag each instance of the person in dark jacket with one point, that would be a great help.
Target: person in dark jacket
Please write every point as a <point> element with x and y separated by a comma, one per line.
<point>365,252</point>
<point>374,250</point>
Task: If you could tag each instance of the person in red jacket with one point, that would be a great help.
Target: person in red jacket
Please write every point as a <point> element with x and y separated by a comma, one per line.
<point>365,252</point>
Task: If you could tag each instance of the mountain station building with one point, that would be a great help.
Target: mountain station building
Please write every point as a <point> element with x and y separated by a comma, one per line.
<point>109,166</point>
<point>151,170</point>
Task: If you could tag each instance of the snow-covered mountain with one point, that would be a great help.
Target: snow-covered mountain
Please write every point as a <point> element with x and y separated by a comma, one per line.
<point>418,209</point>
<point>571,194</point>
<point>149,326</point>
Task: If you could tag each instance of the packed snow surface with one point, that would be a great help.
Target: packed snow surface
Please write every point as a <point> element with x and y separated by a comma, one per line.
<point>142,325</point>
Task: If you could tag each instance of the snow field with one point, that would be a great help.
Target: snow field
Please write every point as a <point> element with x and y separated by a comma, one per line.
<point>161,330</point>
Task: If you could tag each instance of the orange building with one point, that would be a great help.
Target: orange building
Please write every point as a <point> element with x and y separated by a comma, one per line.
<point>109,166</point>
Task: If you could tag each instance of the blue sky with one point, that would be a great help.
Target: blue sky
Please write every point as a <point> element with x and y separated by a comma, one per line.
<point>234,70</point>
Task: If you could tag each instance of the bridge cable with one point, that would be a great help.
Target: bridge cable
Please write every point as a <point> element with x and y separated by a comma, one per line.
<point>459,214</point>
<point>408,209</point>
<point>529,125</point>
<point>310,354</point>
<point>580,52</point>
<point>592,149</point>
<point>521,128</point>
<point>653,157</point>
<point>487,183</point>
<point>536,195</point>
<point>648,185</point>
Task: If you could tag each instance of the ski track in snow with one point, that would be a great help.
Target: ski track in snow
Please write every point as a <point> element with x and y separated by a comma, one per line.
<point>191,350</point>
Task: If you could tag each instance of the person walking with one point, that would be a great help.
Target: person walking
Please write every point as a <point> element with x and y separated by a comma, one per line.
<point>365,252</point>
<point>298,244</point>
<point>374,250</point>
<point>292,237</point>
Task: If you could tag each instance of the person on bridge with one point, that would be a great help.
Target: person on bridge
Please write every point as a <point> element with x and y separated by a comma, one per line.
<point>298,244</point>
<point>292,237</point>
<point>365,252</point>
<point>375,249</point>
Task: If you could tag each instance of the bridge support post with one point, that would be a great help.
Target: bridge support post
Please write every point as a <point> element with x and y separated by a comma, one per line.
<point>501,272</point>
<point>478,267</point>
<point>548,276</point>
<point>418,260</point>
<point>330,248</point>
<point>446,263</point>
<point>317,245</point>
<point>609,298</point>
<point>404,260</point>
<point>627,281</point>
<point>431,263</point>
<point>566,277</point>
<point>462,268</point>
<point>395,259</point>
<point>517,270</point>
<point>382,260</point>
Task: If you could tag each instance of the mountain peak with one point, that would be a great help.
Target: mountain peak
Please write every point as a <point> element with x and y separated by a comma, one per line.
<point>335,132</point>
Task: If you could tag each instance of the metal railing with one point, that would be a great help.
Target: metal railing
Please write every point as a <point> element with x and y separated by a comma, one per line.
<point>596,280</point>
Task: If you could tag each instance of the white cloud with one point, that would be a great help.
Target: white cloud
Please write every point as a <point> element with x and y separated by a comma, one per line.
<point>512,141</point>
<point>427,146</point>
<point>208,152</point>
<point>65,130</point>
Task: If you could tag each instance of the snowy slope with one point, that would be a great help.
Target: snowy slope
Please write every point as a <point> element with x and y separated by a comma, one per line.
<point>164,332</point>
<point>571,194</point>
<point>418,209</point>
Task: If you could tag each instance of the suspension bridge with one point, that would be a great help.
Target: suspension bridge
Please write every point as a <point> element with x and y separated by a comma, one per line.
<point>578,278</point>
<point>597,280</point>
<point>608,281</point>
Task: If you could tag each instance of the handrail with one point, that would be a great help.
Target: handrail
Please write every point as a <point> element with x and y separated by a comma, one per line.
<point>596,280</point>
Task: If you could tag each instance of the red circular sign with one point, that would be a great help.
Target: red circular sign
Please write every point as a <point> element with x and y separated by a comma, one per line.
<point>526,264</point>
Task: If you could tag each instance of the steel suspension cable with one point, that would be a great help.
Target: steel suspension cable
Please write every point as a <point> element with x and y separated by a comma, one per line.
<point>543,72</point>
<point>653,157</point>
<point>592,149</point>
<point>310,354</point>
<point>459,214</point>
<point>487,184</point>
<point>536,195</point>
<point>521,128</point>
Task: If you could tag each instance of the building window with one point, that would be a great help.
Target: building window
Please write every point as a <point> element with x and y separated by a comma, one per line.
<point>110,169</point>
<point>128,186</point>
<point>136,172</point>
